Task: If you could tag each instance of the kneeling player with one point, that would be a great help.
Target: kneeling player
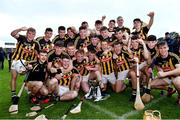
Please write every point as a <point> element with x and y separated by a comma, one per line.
<point>66,89</point>
<point>169,69</point>
<point>121,65</point>
<point>37,77</point>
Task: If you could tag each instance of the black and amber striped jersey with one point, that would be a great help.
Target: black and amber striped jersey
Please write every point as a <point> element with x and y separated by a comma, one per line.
<point>168,63</point>
<point>106,62</point>
<point>44,45</point>
<point>25,50</point>
<point>38,72</point>
<point>81,67</point>
<point>143,33</point>
<point>80,43</point>
<point>57,38</point>
<point>139,54</point>
<point>122,61</point>
<point>67,77</point>
<point>153,52</point>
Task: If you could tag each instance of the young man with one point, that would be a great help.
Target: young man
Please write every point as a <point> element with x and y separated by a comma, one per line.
<point>56,56</point>
<point>71,36</point>
<point>120,22</point>
<point>80,63</point>
<point>45,41</point>
<point>143,30</point>
<point>111,26</point>
<point>71,50</point>
<point>98,25</point>
<point>95,43</point>
<point>67,89</point>
<point>169,69</point>
<point>26,49</point>
<point>142,54</point>
<point>106,61</point>
<point>121,65</point>
<point>82,40</point>
<point>94,70</point>
<point>104,35</point>
<point>61,35</point>
<point>36,80</point>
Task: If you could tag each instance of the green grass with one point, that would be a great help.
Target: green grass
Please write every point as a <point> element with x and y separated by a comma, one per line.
<point>112,108</point>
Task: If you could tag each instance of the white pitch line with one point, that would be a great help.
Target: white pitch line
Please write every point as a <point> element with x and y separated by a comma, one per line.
<point>133,112</point>
<point>105,111</point>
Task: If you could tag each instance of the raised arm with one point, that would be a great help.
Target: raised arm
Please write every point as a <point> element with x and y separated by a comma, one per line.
<point>15,32</point>
<point>151,15</point>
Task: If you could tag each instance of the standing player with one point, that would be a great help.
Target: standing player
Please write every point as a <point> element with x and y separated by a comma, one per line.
<point>45,41</point>
<point>61,35</point>
<point>26,49</point>
<point>143,30</point>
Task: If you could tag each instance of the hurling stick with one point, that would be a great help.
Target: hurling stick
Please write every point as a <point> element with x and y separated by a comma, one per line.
<point>77,109</point>
<point>67,111</point>
<point>138,105</point>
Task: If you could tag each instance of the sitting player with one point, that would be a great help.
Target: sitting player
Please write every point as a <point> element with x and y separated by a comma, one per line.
<point>66,88</point>
<point>169,69</point>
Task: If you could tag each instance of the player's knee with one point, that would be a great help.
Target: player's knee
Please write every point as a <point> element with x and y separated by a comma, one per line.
<point>39,84</point>
<point>44,91</point>
<point>74,94</point>
<point>176,81</point>
<point>53,81</point>
<point>132,73</point>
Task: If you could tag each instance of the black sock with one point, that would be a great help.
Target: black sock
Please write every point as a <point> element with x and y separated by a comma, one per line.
<point>133,91</point>
<point>13,93</point>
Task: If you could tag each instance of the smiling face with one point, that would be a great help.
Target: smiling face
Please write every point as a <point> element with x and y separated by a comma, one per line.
<point>30,35</point>
<point>151,44</point>
<point>48,35</point>
<point>42,57</point>
<point>65,63</point>
<point>135,44</point>
<point>163,50</point>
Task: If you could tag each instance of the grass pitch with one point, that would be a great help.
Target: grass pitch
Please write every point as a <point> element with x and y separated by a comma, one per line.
<point>115,107</point>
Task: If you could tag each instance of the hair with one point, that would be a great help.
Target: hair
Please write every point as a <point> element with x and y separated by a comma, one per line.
<point>137,19</point>
<point>80,52</point>
<point>31,30</point>
<point>82,28</point>
<point>84,22</point>
<point>92,51</point>
<point>116,43</point>
<point>48,30</point>
<point>151,38</point>
<point>94,35</point>
<point>112,21</point>
<point>61,28</point>
<point>161,43</point>
<point>103,28</point>
<point>98,22</point>
<point>135,36</point>
<point>166,33</point>
<point>66,57</point>
<point>42,51</point>
<point>70,44</point>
